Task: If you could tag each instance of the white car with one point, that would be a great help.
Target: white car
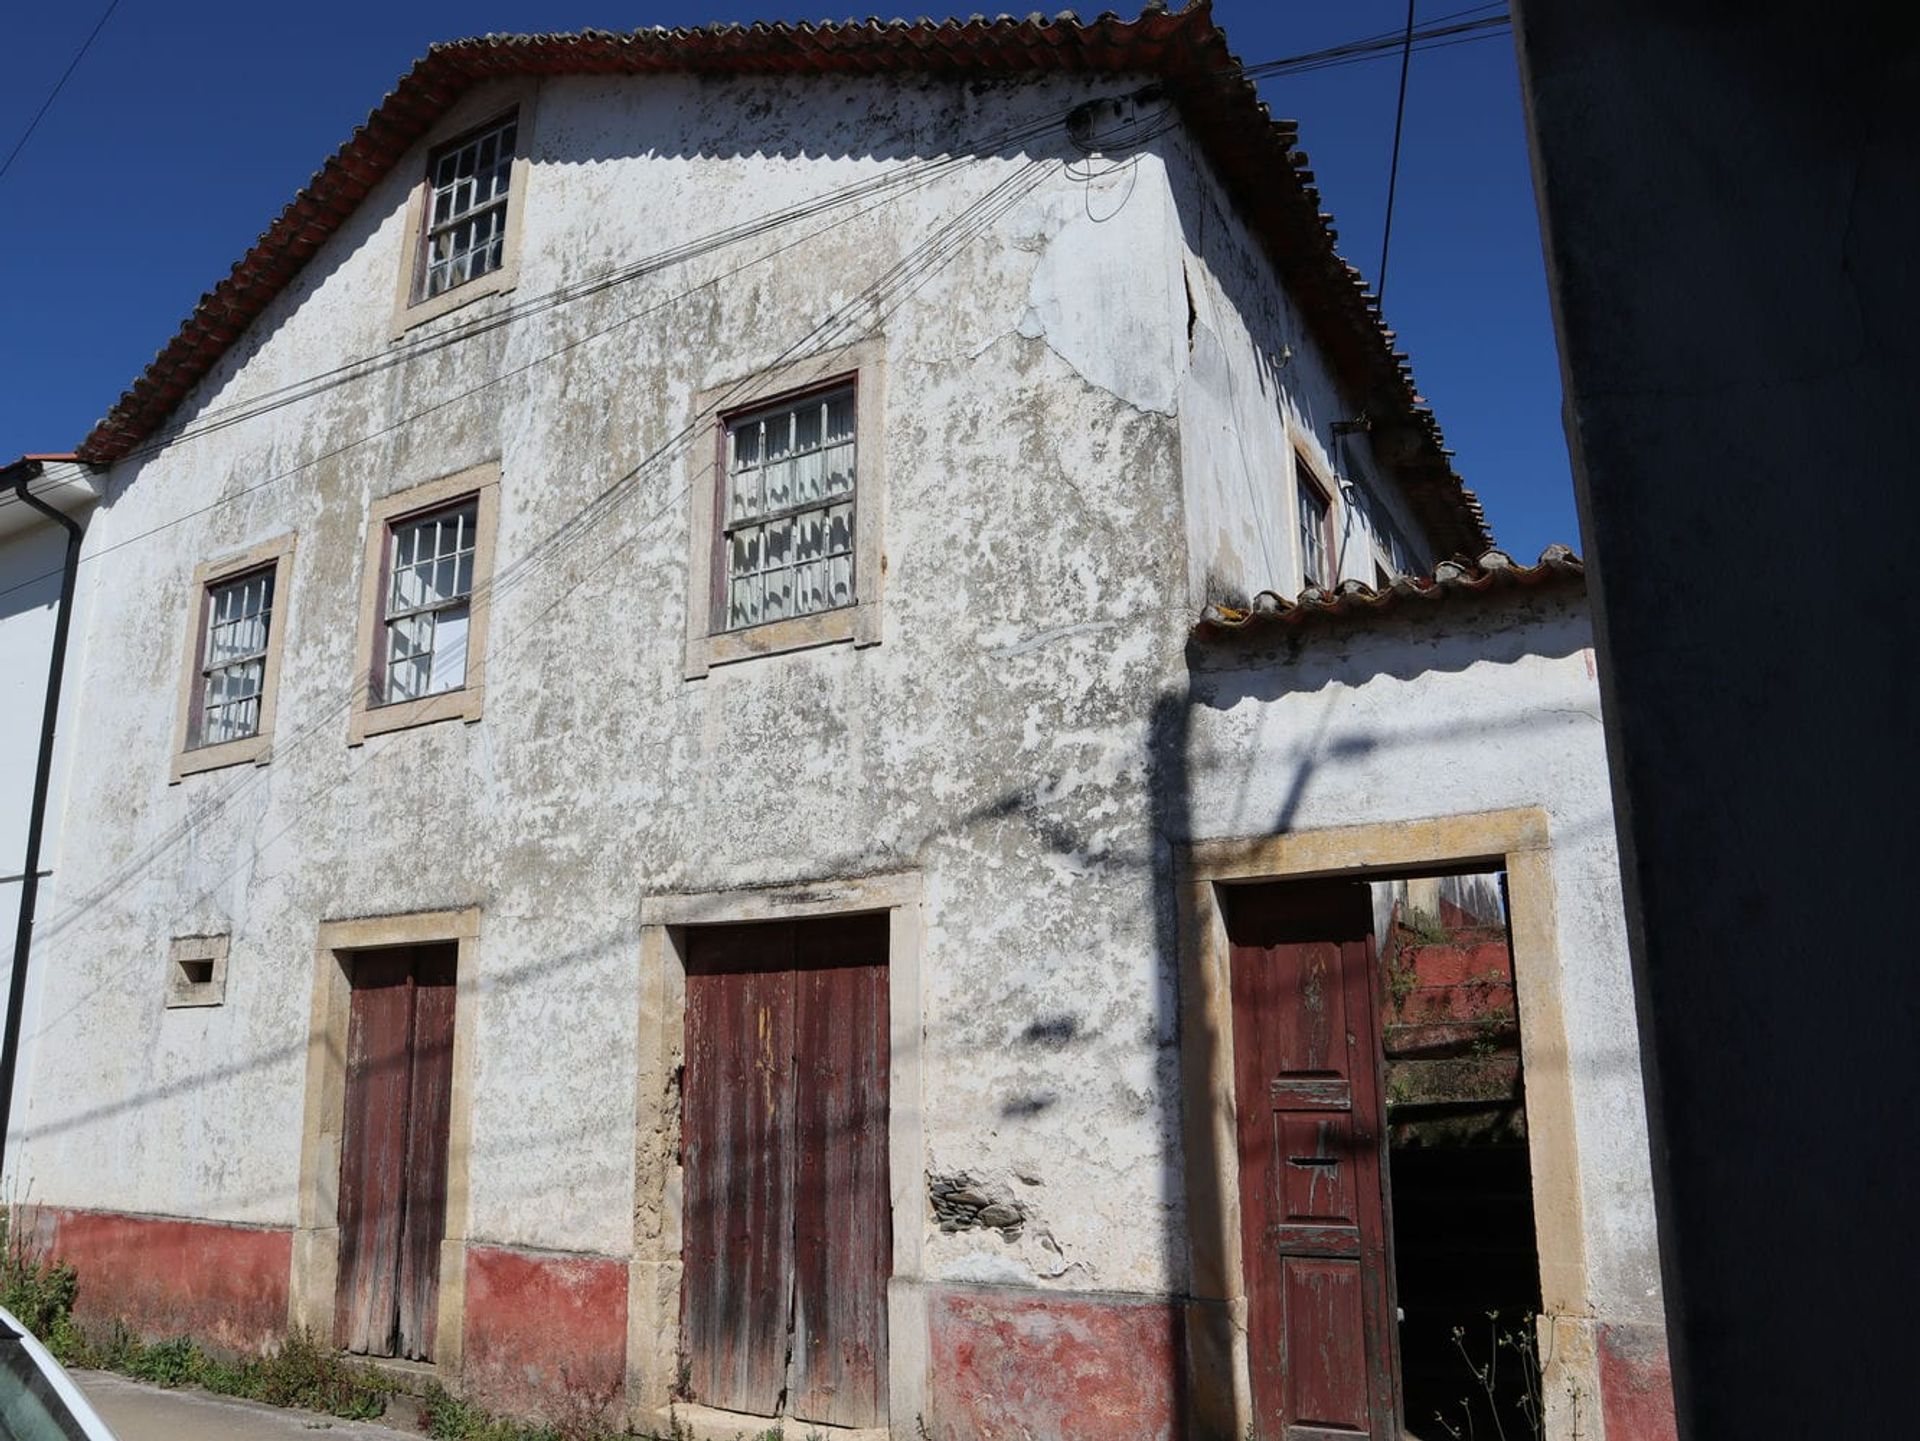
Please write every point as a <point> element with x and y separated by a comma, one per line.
<point>38,1400</point>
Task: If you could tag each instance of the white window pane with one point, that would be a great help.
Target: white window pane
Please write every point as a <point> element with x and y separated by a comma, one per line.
<point>777,598</point>
<point>743,603</point>
<point>840,581</point>
<point>448,670</point>
<point>810,535</point>
<point>836,466</point>
<point>840,529</point>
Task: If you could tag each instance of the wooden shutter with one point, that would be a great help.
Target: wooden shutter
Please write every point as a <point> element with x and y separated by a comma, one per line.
<point>429,1115</point>
<point>393,1151</point>
<point>1313,1202</point>
<point>787,1219</point>
<point>843,1217</point>
<point>737,1185</point>
<point>373,1151</point>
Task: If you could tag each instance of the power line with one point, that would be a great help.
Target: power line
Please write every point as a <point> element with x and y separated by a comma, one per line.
<point>1393,167</point>
<point>884,296</point>
<point>912,177</point>
<point>58,86</point>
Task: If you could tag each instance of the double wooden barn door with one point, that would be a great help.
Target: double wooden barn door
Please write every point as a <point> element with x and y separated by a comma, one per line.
<point>1321,1332</point>
<point>787,1231</point>
<point>393,1151</point>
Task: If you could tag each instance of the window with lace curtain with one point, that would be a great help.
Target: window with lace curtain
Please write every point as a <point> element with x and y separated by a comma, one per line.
<point>788,527</point>
<point>784,548</point>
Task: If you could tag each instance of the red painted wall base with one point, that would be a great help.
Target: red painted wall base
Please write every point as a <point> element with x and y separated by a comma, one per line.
<point>1636,1384</point>
<point>225,1286</point>
<point>1051,1366</point>
<point>546,1335</point>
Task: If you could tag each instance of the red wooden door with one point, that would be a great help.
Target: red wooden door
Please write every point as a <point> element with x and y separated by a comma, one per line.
<point>1312,1196</point>
<point>787,1230</point>
<point>393,1151</point>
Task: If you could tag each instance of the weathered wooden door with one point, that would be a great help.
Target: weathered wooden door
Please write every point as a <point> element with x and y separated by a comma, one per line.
<point>1312,1197</point>
<point>787,1230</point>
<point>393,1151</point>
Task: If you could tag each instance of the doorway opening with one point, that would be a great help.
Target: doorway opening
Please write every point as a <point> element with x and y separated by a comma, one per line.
<point>1386,1196</point>
<point>1466,1263</point>
<point>787,1230</point>
<point>393,1149</point>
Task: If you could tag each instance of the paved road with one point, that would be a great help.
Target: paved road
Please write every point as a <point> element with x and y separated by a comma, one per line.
<point>146,1413</point>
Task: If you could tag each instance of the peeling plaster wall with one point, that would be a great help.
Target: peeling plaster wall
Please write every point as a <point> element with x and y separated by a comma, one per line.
<point>1441,717</point>
<point>994,738</point>
<point>1057,499</point>
<point>1255,385</point>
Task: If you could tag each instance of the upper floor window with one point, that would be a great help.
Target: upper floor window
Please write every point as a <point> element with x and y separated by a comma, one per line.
<point>788,527</point>
<point>429,602</point>
<point>233,658</point>
<point>1316,531</point>
<point>466,213</point>
<point>235,622</point>
<point>423,617</point>
<point>784,547</point>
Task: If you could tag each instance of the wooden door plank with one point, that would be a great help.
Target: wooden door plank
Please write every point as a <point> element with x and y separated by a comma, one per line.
<point>373,1151</point>
<point>737,1180</point>
<point>1313,1202</point>
<point>843,1218</point>
<point>429,1117</point>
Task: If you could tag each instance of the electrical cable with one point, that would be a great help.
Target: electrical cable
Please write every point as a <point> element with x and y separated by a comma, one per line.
<point>293,392</point>
<point>58,86</point>
<point>1393,167</point>
<point>884,296</point>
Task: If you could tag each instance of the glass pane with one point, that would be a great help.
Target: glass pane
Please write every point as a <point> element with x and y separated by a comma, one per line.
<point>840,581</point>
<point>837,469</point>
<point>743,551</point>
<point>809,588</point>
<point>840,529</point>
<point>743,603</point>
<point>777,601</point>
<point>448,669</point>
<point>777,545</point>
<point>810,535</point>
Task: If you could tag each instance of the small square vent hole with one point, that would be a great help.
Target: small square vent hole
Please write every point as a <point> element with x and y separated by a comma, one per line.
<point>197,973</point>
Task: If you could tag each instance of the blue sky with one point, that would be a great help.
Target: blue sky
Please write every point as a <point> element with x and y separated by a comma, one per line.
<point>188,126</point>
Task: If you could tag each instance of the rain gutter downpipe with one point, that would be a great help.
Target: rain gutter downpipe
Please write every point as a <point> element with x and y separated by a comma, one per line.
<point>19,473</point>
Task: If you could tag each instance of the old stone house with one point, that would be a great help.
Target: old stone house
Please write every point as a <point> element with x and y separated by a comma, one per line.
<point>691,793</point>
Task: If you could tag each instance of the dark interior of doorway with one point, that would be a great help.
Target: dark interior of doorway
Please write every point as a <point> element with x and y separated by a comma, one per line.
<point>1466,1263</point>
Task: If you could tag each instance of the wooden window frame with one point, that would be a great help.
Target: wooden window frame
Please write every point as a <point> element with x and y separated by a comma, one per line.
<point>1307,476</point>
<point>482,484</point>
<point>480,109</point>
<point>186,993</point>
<point>316,1237</point>
<point>863,366</point>
<point>653,1288</point>
<point>256,749</point>
<point>1518,841</point>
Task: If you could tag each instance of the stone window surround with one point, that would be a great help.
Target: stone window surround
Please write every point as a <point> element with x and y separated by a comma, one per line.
<point>653,1290</point>
<point>258,747</point>
<point>482,482</point>
<point>210,951</point>
<point>316,1238</point>
<point>473,111</point>
<point>862,363</point>
<point>1520,842</point>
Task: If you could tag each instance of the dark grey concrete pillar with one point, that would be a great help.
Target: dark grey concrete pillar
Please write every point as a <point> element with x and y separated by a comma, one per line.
<point>1731,201</point>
